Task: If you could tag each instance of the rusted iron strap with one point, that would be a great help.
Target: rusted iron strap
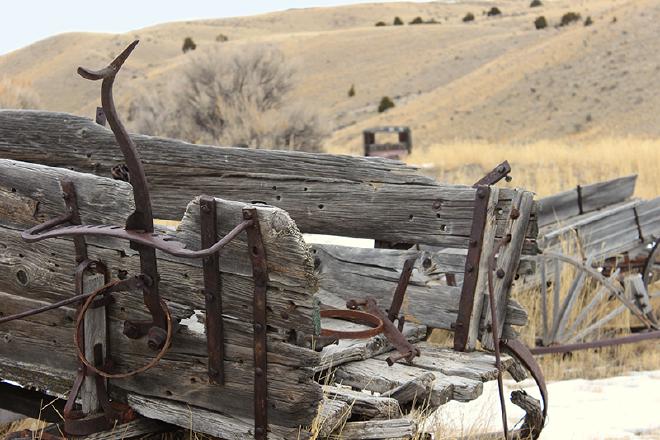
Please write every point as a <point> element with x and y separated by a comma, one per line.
<point>116,286</point>
<point>473,259</point>
<point>405,349</point>
<point>153,240</point>
<point>597,344</point>
<point>212,291</point>
<point>639,226</point>
<point>579,199</point>
<point>498,173</point>
<point>400,292</point>
<point>257,253</point>
<point>520,351</point>
<point>495,330</point>
<point>71,202</point>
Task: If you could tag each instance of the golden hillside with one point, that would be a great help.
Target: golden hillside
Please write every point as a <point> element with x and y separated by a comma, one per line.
<point>494,79</point>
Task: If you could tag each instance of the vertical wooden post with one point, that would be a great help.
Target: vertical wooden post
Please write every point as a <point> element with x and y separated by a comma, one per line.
<point>95,333</point>
<point>507,262</point>
<point>475,281</point>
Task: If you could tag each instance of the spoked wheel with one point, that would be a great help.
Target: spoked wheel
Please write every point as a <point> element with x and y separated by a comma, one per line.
<point>580,304</point>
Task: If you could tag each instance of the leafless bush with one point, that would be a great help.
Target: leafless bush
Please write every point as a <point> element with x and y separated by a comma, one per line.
<point>235,97</point>
<point>16,95</point>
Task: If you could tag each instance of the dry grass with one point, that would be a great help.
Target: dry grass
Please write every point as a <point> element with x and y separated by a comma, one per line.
<point>547,167</point>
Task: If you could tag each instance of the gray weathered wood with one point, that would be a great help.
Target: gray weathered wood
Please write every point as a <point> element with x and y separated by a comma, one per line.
<point>376,375</point>
<point>365,404</point>
<point>563,205</point>
<point>380,429</point>
<point>200,420</point>
<point>481,286</point>
<point>507,260</point>
<point>333,414</point>
<point>43,272</point>
<point>414,391</point>
<point>95,333</point>
<point>135,428</point>
<point>319,191</point>
<point>350,273</point>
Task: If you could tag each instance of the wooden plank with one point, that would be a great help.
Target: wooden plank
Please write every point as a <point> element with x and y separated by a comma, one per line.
<point>95,333</point>
<point>200,420</point>
<point>349,273</point>
<point>319,191</point>
<point>365,405</point>
<point>473,365</point>
<point>471,303</point>
<point>507,260</point>
<point>332,416</point>
<point>42,272</point>
<point>31,403</point>
<point>380,429</point>
<point>561,206</point>
<point>135,428</point>
<point>376,375</point>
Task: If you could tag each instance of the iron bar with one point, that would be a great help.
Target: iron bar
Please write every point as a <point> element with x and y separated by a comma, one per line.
<point>466,302</point>
<point>212,291</point>
<point>400,292</point>
<point>498,173</point>
<point>597,344</point>
<point>257,253</point>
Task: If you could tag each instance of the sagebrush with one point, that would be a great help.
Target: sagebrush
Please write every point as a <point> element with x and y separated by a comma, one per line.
<point>238,97</point>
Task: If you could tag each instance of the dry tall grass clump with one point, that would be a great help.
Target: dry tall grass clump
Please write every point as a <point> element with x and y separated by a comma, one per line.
<point>16,95</point>
<point>547,167</point>
<point>231,97</point>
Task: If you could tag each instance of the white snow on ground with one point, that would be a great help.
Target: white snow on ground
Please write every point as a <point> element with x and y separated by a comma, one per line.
<point>624,407</point>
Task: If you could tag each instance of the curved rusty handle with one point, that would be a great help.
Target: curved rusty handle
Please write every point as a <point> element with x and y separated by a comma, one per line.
<point>142,218</point>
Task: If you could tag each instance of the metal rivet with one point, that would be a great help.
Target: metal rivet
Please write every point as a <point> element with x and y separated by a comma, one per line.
<point>474,243</point>
<point>470,268</point>
<point>258,371</point>
<point>437,204</point>
<point>258,327</point>
<point>500,273</point>
<point>205,208</point>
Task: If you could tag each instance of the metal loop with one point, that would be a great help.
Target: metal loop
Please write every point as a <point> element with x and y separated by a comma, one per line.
<point>89,366</point>
<point>356,316</point>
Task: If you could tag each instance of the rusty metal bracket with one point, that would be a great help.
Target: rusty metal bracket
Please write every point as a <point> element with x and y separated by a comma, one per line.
<point>257,253</point>
<point>405,349</point>
<point>498,173</point>
<point>472,261</point>
<point>400,292</point>
<point>212,291</point>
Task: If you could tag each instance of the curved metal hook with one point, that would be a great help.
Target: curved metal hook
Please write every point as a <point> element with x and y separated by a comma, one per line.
<point>142,218</point>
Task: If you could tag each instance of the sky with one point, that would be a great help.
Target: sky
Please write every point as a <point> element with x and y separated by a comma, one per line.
<point>23,22</point>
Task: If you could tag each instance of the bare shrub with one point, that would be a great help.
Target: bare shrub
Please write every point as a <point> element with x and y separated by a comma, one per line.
<point>231,96</point>
<point>17,96</point>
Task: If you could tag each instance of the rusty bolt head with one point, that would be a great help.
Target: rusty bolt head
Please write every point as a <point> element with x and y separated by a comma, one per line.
<point>205,208</point>
<point>437,204</point>
<point>500,273</point>
<point>258,371</point>
<point>131,330</point>
<point>258,327</point>
<point>247,215</point>
<point>481,192</point>
<point>213,372</point>
<point>473,243</point>
<point>156,338</point>
<point>500,169</point>
<point>514,213</point>
<point>470,267</point>
<point>508,178</point>
<point>259,431</point>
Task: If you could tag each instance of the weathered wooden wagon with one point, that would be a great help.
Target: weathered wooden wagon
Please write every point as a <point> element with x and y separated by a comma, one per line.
<point>280,355</point>
<point>600,259</point>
